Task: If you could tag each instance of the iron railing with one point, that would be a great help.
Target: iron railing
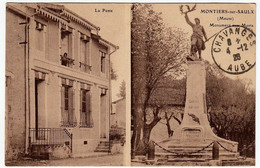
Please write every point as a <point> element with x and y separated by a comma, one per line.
<point>50,136</point>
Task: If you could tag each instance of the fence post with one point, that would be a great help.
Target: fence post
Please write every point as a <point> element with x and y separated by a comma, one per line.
<point>151,151</point>
<point>215,151</point>
<point>71,142</point>
<point>243,152</point>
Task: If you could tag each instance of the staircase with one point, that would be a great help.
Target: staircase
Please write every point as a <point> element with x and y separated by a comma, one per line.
<point>103,146</point>
<point>192,154</point>
<point>40,152</point>
<point>50,143</point>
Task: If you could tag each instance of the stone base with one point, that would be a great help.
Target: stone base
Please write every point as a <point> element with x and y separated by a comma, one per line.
<point>193,139</point>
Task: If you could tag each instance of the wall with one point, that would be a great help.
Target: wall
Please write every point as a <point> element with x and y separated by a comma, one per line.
<point>118,116</point>
<point>47,61</point>
<point>52,85</point>
<point>15,64</point>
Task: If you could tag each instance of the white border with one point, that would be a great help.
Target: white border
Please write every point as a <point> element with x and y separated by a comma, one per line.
<point>2,53</point>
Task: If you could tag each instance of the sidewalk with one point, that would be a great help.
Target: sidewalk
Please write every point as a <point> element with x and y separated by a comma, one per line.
<point>108,160</point>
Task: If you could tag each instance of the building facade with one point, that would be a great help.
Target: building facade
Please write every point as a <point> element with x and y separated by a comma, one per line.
<point>118,115</point>
<point>57,80</point>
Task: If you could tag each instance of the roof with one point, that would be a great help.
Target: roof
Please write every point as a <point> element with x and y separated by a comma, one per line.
<point>114,102</point>
<point>59,13</point>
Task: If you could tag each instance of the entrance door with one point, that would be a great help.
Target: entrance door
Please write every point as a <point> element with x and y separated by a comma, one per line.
<point>39,108</point>
<point>103,116</point>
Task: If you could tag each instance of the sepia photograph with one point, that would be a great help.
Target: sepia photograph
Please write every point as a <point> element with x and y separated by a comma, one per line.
<point>65,90</point>
<point>140,84</point>
<point>193,84</point>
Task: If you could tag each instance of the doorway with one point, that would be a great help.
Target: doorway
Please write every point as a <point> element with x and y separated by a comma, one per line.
<point>40,115</point>
<point>103,116</point>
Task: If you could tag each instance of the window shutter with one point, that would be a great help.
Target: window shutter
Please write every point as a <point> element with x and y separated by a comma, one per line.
<point>62,104</point>
<point>80,108</point>
<point>73,109</point>
<point>71,106</point>
<point>70,43</point>
<point>87,53</point>
<point>90,110</point>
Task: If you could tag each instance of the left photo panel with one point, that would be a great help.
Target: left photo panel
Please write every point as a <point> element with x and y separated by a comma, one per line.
<point>67,71</point>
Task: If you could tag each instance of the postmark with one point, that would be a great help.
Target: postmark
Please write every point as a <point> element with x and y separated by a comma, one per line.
<point>233,49</point>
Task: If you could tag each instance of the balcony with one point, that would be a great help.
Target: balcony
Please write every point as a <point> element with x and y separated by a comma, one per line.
<point>85,67</point>
<point>66,60</point>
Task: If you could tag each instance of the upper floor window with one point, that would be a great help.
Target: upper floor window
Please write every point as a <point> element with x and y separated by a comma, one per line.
<point>102,61</point>
<point>66,46</point>
<point>84,53</point>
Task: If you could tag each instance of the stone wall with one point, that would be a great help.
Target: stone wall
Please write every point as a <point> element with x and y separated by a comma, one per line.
<point>15,90</point>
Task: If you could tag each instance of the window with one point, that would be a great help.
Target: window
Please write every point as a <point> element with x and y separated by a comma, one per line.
<point>84,57</point>
<point>67,106</point>
<point>66,98</point>
<point>85,113</point>
<point>102,56</point>
<point>66,47</point>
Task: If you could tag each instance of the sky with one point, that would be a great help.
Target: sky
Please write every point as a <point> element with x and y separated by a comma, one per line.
<point>114,27</point>
<point>173,18</point>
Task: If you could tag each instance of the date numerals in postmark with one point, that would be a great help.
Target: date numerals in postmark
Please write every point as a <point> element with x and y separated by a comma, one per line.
<point>233,49</point>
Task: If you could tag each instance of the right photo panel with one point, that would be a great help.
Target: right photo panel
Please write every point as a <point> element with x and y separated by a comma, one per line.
<point>193,84</point>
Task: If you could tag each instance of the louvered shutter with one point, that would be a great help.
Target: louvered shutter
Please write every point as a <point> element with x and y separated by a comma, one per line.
<point>71,106</point>
<point>62,104</point>
<point>88,108</point>
<point>80,109</point>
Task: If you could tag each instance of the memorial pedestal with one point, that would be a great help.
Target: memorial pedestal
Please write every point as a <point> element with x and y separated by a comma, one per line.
<point>195,132</point>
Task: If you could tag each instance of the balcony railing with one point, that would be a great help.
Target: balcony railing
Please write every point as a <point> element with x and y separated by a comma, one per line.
<point>66,61</point>
<point>50,136</point>
<point>85,67</point>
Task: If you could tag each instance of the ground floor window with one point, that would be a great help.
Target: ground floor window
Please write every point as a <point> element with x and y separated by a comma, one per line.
<point>67,106</point>
<point>85,109</point>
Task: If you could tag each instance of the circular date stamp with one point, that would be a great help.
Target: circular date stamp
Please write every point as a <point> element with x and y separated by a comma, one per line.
<point>234,49</point>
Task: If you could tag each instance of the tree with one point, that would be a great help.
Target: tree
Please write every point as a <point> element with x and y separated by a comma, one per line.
<point>113,74</point>
<point>122,92</point>
<point>157,52</point>
<point>231,107</point>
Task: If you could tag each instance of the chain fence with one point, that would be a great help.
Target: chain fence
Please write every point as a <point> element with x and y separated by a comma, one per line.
<point>202,149</point>
<point>182,153</point>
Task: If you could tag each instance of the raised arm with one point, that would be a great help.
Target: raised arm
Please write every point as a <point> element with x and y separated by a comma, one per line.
<point>188,20</point>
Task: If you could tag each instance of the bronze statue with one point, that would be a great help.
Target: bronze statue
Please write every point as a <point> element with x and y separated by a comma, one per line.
<point>197,43</point>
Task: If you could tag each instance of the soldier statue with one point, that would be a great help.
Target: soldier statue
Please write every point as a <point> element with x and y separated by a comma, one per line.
<point>197,43</point>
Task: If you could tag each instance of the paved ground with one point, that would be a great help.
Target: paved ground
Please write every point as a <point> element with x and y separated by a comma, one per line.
<point>109,160</point>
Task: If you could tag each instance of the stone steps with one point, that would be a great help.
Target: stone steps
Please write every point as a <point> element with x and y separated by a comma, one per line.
<point>222,156</point>
<point>196,154</point>
<point>238,163</point>
<point>103,146</point>
<point>40,152</point>
<point>187,160</point>
<point>182,153</point>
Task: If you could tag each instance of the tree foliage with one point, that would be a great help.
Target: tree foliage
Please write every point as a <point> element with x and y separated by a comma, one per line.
<point>113,74</point>
<point>231,107</point>
<point>122,91</point>
<point>157,52</point>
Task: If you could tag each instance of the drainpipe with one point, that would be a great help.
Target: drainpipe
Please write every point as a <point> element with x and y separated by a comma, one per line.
<point>110,97</point>
<point>27,81</point>
<point>26,72</point>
